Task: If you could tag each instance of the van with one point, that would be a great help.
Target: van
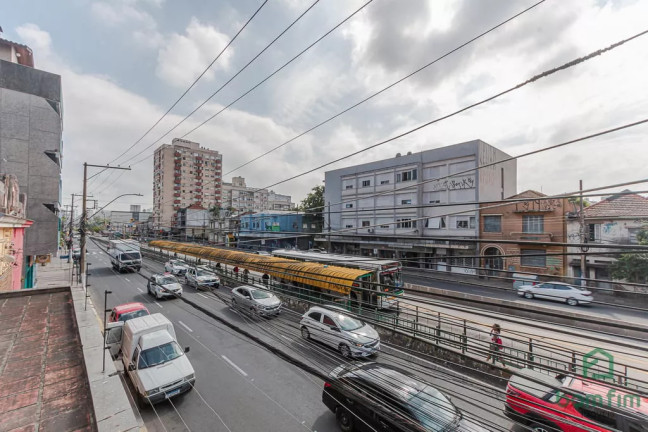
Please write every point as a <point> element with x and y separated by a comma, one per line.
<point>153,360</point>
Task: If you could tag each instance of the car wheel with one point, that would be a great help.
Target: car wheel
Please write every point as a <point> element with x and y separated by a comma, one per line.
<point>345,351</point>
<point>344,419</point>
<point>539,427</point>
<point>305,333</point>
<point>234,305</point>
<point>528,295</point>
<point>572,302</point>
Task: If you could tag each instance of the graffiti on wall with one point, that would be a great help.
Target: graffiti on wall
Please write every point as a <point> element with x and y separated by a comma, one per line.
<point>454,184</point>
<point>538,205</point>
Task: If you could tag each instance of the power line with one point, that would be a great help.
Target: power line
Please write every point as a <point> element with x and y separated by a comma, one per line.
<point>466,108</point>
<point>388,87</point>
<point>194,82</point>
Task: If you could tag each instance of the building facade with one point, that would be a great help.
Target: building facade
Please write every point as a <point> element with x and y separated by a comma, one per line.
<point>416,207</point>
<point>531,217</point>
<point>12,233</point>
<point>239,197</point>
<point>614,220</point>
<point>193,223</point>
<point>273,230</point>
<point>31,146</point>
<point>184,174</point>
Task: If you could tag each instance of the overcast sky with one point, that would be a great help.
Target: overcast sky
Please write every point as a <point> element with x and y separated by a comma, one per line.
<point>124,62</point>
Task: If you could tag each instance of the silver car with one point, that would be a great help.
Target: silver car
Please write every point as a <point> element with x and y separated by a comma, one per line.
<point>201,278</point>
<point>164,285</point>
<point>176,267</point>
<point>256,300</point>
<point>571,294</point>
<point>350,336</point>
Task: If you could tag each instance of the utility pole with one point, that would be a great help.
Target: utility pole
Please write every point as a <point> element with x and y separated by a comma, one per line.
<point>84,216</point>
<point>71,230</point>
<point>329,226</point>
<point>584,238</point>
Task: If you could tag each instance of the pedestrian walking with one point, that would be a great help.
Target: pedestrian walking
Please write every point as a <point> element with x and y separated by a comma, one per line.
<point>265,278</point>
<point>495,344</point>
<point>246,273</point>
<point>236,272</point>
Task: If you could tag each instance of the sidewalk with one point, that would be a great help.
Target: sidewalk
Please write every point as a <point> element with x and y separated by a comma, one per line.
<point>112,409</point>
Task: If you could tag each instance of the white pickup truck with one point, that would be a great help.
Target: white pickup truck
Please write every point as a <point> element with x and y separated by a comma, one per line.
<point>152,357</point>
<point>125,255</point>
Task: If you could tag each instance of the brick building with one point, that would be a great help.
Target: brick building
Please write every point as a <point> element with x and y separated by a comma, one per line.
<point>531,217</point>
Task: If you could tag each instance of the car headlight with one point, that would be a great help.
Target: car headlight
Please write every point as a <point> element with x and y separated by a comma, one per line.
<point>189,377</point>
<point>358,344</point>
<point>153,391</point>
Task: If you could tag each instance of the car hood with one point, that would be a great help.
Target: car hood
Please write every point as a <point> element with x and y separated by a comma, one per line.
<point>207,278</point>
<point>172,286</point>
<point>272,301</point>
<point>364,334</point>
<point>165,373</point>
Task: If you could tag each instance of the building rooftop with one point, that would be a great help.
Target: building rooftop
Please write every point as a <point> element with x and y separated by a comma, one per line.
<point>44,382</point>
<point>626,204</point>
<point>23,52</point>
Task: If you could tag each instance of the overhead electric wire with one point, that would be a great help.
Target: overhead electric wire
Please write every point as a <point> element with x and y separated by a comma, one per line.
<point>258,84</point>
<point>384,89</point>
<point>192,84</point>
<point>533,79</point>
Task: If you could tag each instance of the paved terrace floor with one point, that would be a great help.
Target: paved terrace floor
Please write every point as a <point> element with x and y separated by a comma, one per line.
<point>43,384</point>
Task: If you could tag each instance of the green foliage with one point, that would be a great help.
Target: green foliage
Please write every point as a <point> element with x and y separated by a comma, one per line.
<point>314,201</point>
<point>633,267</point>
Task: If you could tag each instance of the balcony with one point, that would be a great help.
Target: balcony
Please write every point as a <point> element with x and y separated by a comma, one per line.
<point>176,188</point>
<point>177,195</point>
<point>176,201</point>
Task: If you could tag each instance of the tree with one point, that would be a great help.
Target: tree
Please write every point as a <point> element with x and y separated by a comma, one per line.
<point>575,202</point>
<point>314,201</point>
<point>633,267</point>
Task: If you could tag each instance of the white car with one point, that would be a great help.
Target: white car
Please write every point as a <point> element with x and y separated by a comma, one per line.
<point>176,267</point>
<point>164,285</point>
<point>350,336</point>
<point>200,278</point>
<point>257,300</point>
<point>571,294</point>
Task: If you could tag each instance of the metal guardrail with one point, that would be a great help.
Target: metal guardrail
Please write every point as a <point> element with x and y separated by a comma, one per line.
<point>448,332</point>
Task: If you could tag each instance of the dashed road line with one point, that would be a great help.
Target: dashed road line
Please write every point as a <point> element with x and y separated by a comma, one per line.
<point>139,289</point>
<point>158,305</point>
<point>231,363</point>
<point>202,295</point>
<point>185,326</point>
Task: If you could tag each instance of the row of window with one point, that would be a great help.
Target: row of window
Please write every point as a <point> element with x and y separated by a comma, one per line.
<point>460,222</point>
<point>531,224</point>
<point>403,176</point>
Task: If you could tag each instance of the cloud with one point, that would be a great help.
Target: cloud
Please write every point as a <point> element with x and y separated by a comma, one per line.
<point>184,56</point>
<point>131,14</point>
<point>39,40</point>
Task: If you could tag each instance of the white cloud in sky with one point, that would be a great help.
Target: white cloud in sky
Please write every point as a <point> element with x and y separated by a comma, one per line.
<point>102,118</point>
<point>131,14</point>
<point>184,56</point>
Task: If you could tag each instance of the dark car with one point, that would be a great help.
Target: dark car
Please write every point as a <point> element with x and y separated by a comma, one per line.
<point>379,397</point>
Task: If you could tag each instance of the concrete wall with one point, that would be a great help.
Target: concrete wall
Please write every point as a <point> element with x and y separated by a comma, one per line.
<point>30,125</point>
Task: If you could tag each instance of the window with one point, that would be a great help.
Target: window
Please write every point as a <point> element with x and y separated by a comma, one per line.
<point>406,201</point>
<point>348,205</point>
<point>315,315</point>
<point>348,186</point>
<point>328,321</point>
<point>436,223</point>
<point>366,183</point>
<point>405,223</point>
<point>406,176</point>
<point>384,226</point>
<point>465,222</point>
<point>384,182</point>
<point>533,258</point>
<point>365,223</point>
<point>594,232</point>
<point>348,226</point>
<point>492,223</point>
<point>533,224</point>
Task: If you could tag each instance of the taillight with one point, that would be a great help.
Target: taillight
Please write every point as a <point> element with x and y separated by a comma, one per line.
<point>587,293</point>
<point>327,385</point>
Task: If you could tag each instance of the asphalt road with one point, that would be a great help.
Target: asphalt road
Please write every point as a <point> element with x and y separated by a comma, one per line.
<point>431,279</point>
<point>243,387</point>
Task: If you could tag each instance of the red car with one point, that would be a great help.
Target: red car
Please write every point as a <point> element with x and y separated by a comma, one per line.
<point>547,403</point>
<point>128,311</point>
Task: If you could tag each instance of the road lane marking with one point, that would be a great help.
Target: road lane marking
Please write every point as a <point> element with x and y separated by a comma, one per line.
<point>158,305</point>
<point>285,337</point>
<point>127,280</point>
<point>185,326</point>
<point>231,363</point>
<point>139,289</point>
<point>202,295</point>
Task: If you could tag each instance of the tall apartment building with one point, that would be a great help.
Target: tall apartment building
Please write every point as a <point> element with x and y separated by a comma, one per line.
<point>184,174</point>
<point>416,207</point>
<point>31,146</point>
<point>242,198</point>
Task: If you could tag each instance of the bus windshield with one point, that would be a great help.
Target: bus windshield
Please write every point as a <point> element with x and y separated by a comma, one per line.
<point>130,256</point>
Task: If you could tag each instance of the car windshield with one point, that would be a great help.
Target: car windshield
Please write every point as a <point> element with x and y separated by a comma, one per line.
<point>135,314</point>
<point>433,409</point>
<point>260,294</point>
<point>348,323</point>
<point>178,263</point>
<point>203,273</point>
<point>158,355</point>
<point>129,256</point>
<point>167,280</point>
